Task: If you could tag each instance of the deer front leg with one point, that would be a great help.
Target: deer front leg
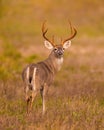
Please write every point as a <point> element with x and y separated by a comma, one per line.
<point>43,92</point>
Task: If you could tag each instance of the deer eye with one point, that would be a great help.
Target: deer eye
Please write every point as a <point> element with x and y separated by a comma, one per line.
<point>63,49</point>
<point>55,49</point>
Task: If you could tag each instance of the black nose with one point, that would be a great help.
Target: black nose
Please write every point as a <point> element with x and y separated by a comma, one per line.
<point>60,53</point>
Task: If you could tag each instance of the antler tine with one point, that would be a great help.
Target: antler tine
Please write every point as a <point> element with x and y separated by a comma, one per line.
<point>44,31</point>
<point>70,26</point>
<point>73,33</point>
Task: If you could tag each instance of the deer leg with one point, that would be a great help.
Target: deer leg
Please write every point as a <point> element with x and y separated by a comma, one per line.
<point>28,104</point>
<point>27,98</point>
<point>43,95</point>
<point>34,93</point>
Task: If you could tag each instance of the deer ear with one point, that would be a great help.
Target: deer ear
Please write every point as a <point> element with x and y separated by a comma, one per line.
<point>67,44</point>
<point>48,44</point>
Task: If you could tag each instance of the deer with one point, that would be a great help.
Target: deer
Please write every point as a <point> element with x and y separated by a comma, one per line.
<point>38,77</point>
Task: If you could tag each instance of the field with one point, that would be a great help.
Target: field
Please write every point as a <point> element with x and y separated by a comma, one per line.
<point>75,101</point>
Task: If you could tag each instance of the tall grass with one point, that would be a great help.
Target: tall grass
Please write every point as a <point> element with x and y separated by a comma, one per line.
<point>76,99</point>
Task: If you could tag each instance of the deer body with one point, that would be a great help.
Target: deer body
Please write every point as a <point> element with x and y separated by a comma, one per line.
<point>38,77</point>
<point>44,71</point>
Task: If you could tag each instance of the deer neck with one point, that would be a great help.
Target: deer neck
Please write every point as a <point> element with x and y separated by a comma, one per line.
<point>54,62</point>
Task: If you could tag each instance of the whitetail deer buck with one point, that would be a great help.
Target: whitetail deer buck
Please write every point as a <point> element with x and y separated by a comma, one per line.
<point>38,77</point>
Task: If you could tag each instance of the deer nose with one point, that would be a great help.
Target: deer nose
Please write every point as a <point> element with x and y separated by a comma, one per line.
<point>60,52</point>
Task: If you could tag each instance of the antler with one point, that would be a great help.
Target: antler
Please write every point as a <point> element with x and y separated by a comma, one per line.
<point>44,31</point>
<point>73,33</point>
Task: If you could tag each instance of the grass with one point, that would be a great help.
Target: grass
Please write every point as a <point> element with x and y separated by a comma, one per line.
<point>65,112</point>
<point>76,102</point>
<point>76,99</point>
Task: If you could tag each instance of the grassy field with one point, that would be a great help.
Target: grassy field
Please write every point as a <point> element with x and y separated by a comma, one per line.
<point>75,101</point>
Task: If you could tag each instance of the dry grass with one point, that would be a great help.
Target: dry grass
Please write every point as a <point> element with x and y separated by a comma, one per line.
<point>76,102</point>
<point>76,99</point>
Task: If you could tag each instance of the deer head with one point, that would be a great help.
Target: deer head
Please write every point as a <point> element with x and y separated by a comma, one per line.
<point>58,49</point>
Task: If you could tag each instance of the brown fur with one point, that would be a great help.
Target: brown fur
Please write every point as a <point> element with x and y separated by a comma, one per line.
<point>45,72</point>
<point>38,77</point>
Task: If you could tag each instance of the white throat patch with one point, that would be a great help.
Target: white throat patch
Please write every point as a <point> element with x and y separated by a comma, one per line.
<point>59,62</point>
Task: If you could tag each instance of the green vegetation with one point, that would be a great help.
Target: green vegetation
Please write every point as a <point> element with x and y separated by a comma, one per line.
<point>10,60</point>
<point>76,100</point>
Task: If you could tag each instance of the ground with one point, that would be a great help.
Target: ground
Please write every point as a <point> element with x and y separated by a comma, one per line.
<point>75,100</point>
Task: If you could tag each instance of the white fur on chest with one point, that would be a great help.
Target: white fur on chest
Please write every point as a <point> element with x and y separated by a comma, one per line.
<point>59,62</point>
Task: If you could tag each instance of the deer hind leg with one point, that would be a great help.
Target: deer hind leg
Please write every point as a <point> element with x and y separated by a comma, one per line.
<point>28,98</point>
<point>33,95</point>
<point>28,104</point>
<point>43,92</point>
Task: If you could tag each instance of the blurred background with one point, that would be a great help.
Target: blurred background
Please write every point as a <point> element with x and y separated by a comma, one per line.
<point>21,21</point>
<point>82,74</point>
